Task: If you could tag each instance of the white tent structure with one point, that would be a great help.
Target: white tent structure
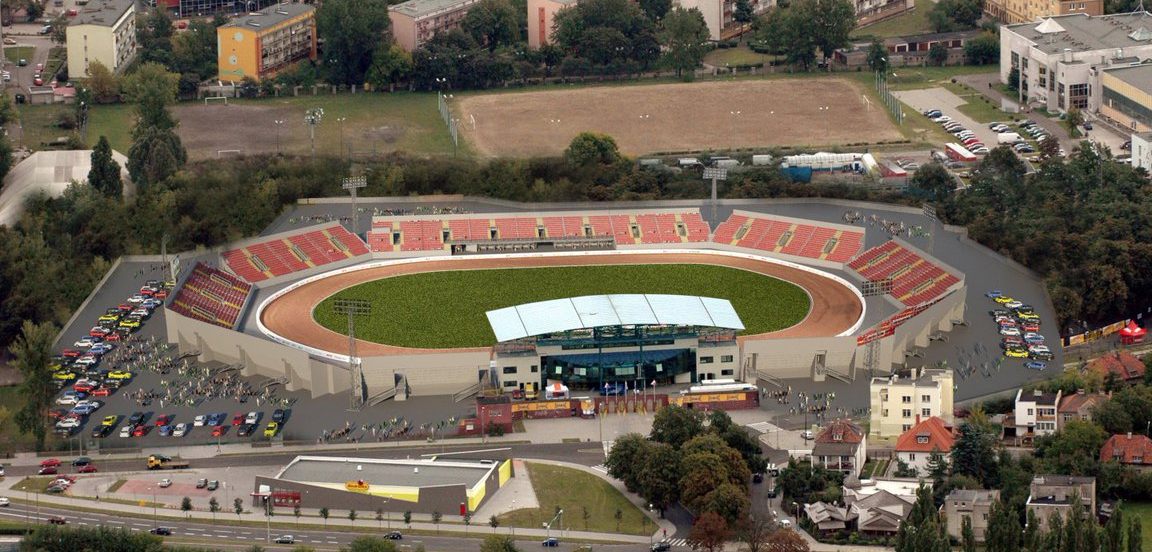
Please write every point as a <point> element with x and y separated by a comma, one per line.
<point>49,172</point>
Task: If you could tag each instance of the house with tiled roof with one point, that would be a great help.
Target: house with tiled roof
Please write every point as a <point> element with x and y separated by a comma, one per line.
<point>841,446</point>
<point>1131,450</point>
<point>1078,406</point>
<point>829,518</point>
<point>916,445</point>
<point>1123,365</point>
<point>880,512</point>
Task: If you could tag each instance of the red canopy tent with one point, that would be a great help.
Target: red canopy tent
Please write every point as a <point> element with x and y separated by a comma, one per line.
<point>1132,333</point>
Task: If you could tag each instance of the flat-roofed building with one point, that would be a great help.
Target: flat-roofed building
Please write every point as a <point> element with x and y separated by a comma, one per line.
<point>976,505</point>
<point>368,484</point>
<point>899,403</point>
<point>1053,494</point>
<point>1060,58</point>
<point>542,19</point>
<point>262,43</point>
<point>1022,11</point>
<point>104,31</point>
<point>415,22</point>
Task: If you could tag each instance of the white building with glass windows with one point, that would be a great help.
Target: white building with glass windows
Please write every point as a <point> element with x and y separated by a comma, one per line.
<point>898,403</point>
<point>1061,58</point>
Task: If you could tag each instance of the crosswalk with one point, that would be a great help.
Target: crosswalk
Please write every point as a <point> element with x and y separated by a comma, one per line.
<point>678,542</point>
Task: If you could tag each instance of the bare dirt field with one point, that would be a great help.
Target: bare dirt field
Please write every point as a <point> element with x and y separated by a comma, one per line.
<point>675,117</point>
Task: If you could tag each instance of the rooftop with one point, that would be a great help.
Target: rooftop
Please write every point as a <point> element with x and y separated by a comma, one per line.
<point>423,8</point>
<point>1038,397</point>
<point>1082,33</point>
<point>1139,76</point>
<point>840,432</point>
<point>1062,480</point>
<point>929,377</point>
<point>104,13</point>
<point>1127,449</point>
<point>1076,401</point>
<point>1124,365</point>
<point>972,497</point>
<point>270,16</point>
<point>926,436</point>
<point>374,471</point>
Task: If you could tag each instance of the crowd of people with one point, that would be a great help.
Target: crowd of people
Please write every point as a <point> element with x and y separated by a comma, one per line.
<point>378,212</point>
<point>394,428</point>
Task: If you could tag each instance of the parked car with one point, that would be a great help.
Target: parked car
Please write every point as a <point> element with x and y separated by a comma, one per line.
<point>550,542</point>
<point>164,531</point>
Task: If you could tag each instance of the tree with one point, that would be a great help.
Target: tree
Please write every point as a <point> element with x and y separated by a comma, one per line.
<point>494,522</point>
<point>785,31</point>
<point>1072,121</point>
<point>655,9</point>
<point>156,152</point>
<point>371,544</point>
<point>967,536</point>
<point>436,517</point>
<point>492,23</point>
<point>408,518</point>
<point>32,353</point>
<point>728,501</point>
<point>194,53</point>
<point>1112,538</point>
<point>1135,535</point>
<point>676,425</point>
<point>104,176</point>
<point>498,543</point>
<point>1050,148</point>
<point>238,506</point>
<point>589,148</point>
<point>937,54</point>
<point>1072,450</point>
<point>606,31</point>
<point>933,182</point>
<point>708,533</point>
<point>618,515</point>
<point>982,50</point>
<point>105,85</point>
<point>353,30</point>
<point>743,13</point>
<point>922,530</point>
<point>878,56</point>
<point>380,517</point>
<point>585,515</point>
<point>186,506</point>
<point>324,513</point>
<point>60,29</point>
<point>683,36</point>
<point>213,506</point>
<point>972,453</point>
<point>659,477</point>
<point>154,32</point>
<point>829,22</point>
<point>787,540</point>
<point>1003,534</point>
<point>390,66</point>
<point>756,533</point>
<point>352,516</point>
<point>954,15</point>
<point>152,88</point>
<point>625,460</point>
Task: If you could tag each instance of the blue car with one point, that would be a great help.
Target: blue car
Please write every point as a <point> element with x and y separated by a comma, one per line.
<point>216,418</point>
<point>166,430</point>
<point>1036,365</point>
<point>994,294</point>
<point>551,542</point>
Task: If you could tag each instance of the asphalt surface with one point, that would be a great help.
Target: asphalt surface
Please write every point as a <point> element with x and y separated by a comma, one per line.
<point>185,531</point>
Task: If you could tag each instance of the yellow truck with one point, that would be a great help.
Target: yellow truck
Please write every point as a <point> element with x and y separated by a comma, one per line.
<point>531,391</point>
<point>161,462</point>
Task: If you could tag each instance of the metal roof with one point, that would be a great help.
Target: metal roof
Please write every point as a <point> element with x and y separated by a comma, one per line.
<point>592,311</point>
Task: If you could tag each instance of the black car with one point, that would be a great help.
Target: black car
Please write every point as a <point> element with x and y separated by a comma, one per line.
<point>280,414</point>
<point>160,531</point>
<point>757,478</point>
<point>662,546</point>
<point>101,431</point>
<point>136,418</point>
<point>772,492</point>
<point>246,430</point>
<point>81,461</point>
<point>394,535</point>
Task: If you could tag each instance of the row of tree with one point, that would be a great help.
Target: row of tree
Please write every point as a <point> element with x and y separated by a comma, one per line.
<point>51,538</point>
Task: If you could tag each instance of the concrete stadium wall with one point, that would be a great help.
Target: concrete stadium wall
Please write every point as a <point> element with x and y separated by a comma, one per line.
<point>256,355</point>
<point>428,373</point>
<point>793,358</point>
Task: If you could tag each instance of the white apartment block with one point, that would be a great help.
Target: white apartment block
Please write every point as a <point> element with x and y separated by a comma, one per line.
<point>899,403</point>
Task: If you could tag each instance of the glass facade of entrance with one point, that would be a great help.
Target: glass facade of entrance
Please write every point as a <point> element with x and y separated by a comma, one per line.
<point>593,370</point>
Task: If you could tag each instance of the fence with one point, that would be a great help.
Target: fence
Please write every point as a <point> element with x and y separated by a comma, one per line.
<point>889,100</point>
<point>446,114</point>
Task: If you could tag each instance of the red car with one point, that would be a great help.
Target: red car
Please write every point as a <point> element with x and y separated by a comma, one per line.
<point>47,471</point>
<point>71,353</point>
<point>89,468</point>
<point>112,337</point>
<point>49,462</point>
<point>239,419</point>
<point>147,291</point>
<point>164,420</point>
<point>101,392</point>
<point>219,430</point>
<point>161,294</point>
<point>97,331</point>
<point>140,431</point>
<point>83,386</point>
<point>125,308</point>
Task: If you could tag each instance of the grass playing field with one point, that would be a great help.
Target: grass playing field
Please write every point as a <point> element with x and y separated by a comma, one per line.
<point>446,309</point>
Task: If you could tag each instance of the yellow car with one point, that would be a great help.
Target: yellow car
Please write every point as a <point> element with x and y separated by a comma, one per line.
<point>109,318</point>
<point>130,323</point>
<point>120,374</point>
<point>110,420</point>
<point>271,430</point>
<point>63,376</point>
<point>1028,316</point>
<point>1016,353</point>
<point>1003,299</point>
<point>55,367</point>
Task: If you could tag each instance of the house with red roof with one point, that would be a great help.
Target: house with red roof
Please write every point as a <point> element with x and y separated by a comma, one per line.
<point>1123,365</point>
<point>916,445</point>
<point>841,446</point>
<point>1130,450</point>
<point>1078,406</point>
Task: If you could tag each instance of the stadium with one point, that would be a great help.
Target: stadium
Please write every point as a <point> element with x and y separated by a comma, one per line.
<point>588,297</point>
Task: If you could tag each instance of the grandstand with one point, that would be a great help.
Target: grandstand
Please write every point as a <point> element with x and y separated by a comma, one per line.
<point>212,295</point>
<point>915,279</point>
<point>281,255</point>
<point>437,232</point>
<point>787,236</point>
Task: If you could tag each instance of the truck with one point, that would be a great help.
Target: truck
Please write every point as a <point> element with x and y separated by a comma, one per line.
<point>1008,138</point>
<point>161,462</point>
<point>531,392</point>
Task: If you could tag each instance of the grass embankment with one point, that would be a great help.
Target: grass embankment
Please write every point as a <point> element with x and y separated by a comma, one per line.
<point>447,309</point>
<point>573,491</point>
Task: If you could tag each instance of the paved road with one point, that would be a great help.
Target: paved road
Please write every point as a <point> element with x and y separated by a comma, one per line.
<point>320,539</point>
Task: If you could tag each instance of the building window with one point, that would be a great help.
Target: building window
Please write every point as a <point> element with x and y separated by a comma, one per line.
<point>725,358</point>
<point>884,413</point>
<point>906,427</point>
<point>906,399</point>
<point>535,368</point>
<point>706,360</point>
<point>927,412</point>
<point>511,383</point>
<point>925,398</point>
<point>509,369</point>
<point>728,372</point>
<point>1030,412</point>
<point>922,439</point>
<point>1137,459</point>
<point>906,413</point>
<point>912,457</point>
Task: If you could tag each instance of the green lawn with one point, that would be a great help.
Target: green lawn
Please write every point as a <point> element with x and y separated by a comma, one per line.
<point>573,491</point>
<point>913,22</point>
<point>982,111</point>
<point>38,123</point>
<point>1142,510</point>
<point>740,55</point>
<point>446,309</point>
<point>33,484</point>
<point>16,53</point>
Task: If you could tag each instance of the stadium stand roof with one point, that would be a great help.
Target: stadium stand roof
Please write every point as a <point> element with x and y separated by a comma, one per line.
<point>592,311</point>
<point>50,172</point>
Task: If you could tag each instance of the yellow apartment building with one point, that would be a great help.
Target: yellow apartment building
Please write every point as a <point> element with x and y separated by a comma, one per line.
<point>262,43</point>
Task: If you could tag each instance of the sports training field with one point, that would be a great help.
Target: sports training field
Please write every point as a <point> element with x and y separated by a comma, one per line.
<point>675,117</point>
<point>446,309</point>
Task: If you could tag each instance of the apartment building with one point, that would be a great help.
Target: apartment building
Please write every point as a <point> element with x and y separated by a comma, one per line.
<point>542,19</point>
<point>1035,414</point>
<point>262,43</point>
<point>415,22</point>
<point>105,31</point>
<point>1022,11</point>
<point>718,15</point>
<point>974,505</point>
<point>897,403</point>
<point>1051,494</point>
<point>1060,59</point>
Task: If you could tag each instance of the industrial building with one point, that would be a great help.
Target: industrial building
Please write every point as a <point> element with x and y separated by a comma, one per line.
<point>105,32</point>
<point>368,484</point>
<point>262,43</point>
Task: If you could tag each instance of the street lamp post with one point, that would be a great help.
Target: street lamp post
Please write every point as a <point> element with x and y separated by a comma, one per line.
<point>548,524</point>
<point>278,122</point>
<point>341,121</point>
<point>825,110</point>
<point>312,117</point>
<point>735,115</point>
